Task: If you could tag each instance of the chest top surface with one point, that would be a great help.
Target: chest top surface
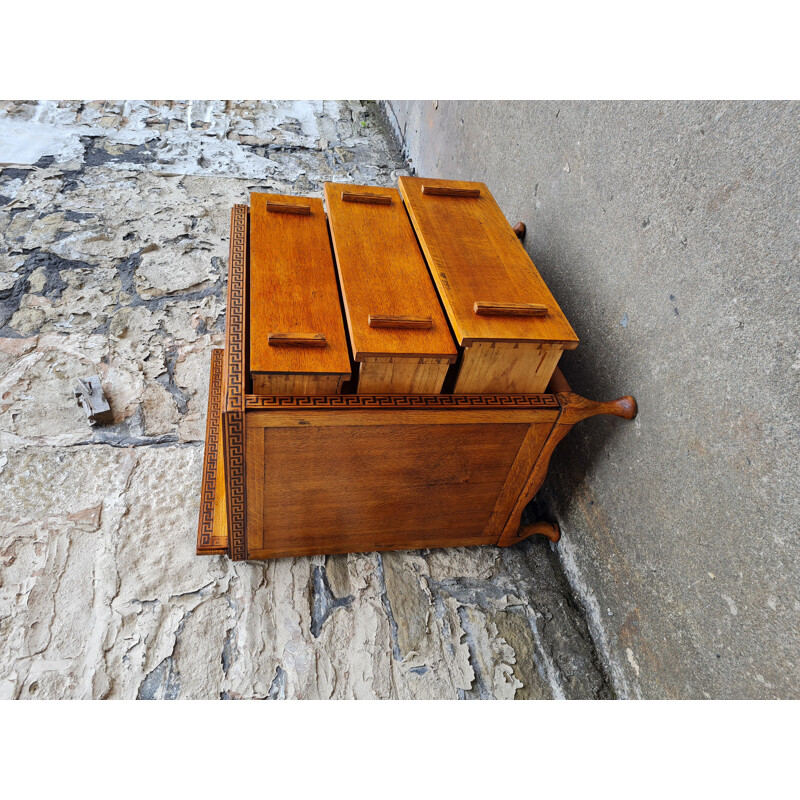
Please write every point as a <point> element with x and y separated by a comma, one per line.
<point>296,323</point>
<point>488,283</point>
<point>390,300</point>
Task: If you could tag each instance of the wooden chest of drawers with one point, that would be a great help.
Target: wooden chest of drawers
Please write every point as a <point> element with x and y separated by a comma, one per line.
<point>313,468</point>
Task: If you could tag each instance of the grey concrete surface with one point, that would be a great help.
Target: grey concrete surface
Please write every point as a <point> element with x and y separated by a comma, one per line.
<point>668,232</point>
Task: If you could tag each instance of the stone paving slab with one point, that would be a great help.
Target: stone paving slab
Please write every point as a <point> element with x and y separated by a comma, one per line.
<point>113,244</point>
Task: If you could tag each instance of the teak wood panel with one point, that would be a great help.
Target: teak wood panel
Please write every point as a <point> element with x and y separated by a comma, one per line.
<point>293,290</point>
<point>332,418</point>
<point>402,375</point>
<point>475,257</point>
<point>297,384</point>
<point>355,488</point>
<point>383,274</point>
<point>506,367</point>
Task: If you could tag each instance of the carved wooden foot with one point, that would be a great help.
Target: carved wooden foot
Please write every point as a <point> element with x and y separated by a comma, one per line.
<point>574,408</point>
<point>548,529</point>
<point>520,229</point>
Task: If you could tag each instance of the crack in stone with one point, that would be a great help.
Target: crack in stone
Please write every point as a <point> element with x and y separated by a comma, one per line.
<point>127,272</point>
<point>198,593</point>
<point>479,689</point>
<point>324,603</point>
<point>167,379</point>
<point>53,265</point>
<point>396,654</point>
<point>161,683</point>
<point>277,689</point>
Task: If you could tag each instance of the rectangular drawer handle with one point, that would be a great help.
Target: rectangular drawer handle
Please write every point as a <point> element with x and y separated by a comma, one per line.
<point>398,321</point>
<point>509,309</point>
<point>296,339</point>
<point>378,199</point>
<point>288,208</point>
<point>446,191</point>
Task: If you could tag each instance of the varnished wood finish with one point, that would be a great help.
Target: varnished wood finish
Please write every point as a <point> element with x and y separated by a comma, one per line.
<point>373,447</point>
<point>577,408</point>
<point>450,191</point>
<point>518,474</point>
<point>293,291</point>
<point>288,208</point>
<point>574,408</point>
<point>549,530</point>
<point>212,529</point>
<point>332,473</point>
<point>382,273</point>
<point>361,417</point>
<point>506,367</point>
<point>399,321</point>
<point>558,383</point>
<point>489,309</point>
<point>236,322</point>
<point>402,375</point>
<point>297,384</point>
<point>498,305</point>
<point>363,487</point>
<point>391,305</point>
<point>455,403</point>
<point>474,255</point>
<point>296,339</point>
<point>363,197</point>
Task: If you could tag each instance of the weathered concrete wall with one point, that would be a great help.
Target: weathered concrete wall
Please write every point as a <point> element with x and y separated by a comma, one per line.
<point>668,234</point>
<point>113,245</point>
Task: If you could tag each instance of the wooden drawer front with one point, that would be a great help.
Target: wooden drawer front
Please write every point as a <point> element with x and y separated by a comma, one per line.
<point>297,338</point>
<point>398,330</point>
<point>489,286</point>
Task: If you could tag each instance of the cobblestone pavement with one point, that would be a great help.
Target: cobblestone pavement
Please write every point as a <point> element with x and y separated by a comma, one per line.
<point>113,242</point>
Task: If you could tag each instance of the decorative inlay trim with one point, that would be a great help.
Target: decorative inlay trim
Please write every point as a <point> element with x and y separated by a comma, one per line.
<point>235,485</point>
<point>235,312</point>
<point>236,357</point>
<point>213,452</point>
<point>374,401</point>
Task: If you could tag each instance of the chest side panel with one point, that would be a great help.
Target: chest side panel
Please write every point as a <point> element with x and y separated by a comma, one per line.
<point>352,488</point>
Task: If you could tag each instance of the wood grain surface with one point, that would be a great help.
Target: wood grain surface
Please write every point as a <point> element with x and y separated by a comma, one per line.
<point>276,339</point>
<point>398,321</point>
<point>363,488</point>
<point>293,289</point>
<point>474,255</point>
<point>402,375</point>
<point>364,197</point>
<point>382,273</point>
<point>489,309</point>
<point>296,384</point>
<point>506,368</point>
